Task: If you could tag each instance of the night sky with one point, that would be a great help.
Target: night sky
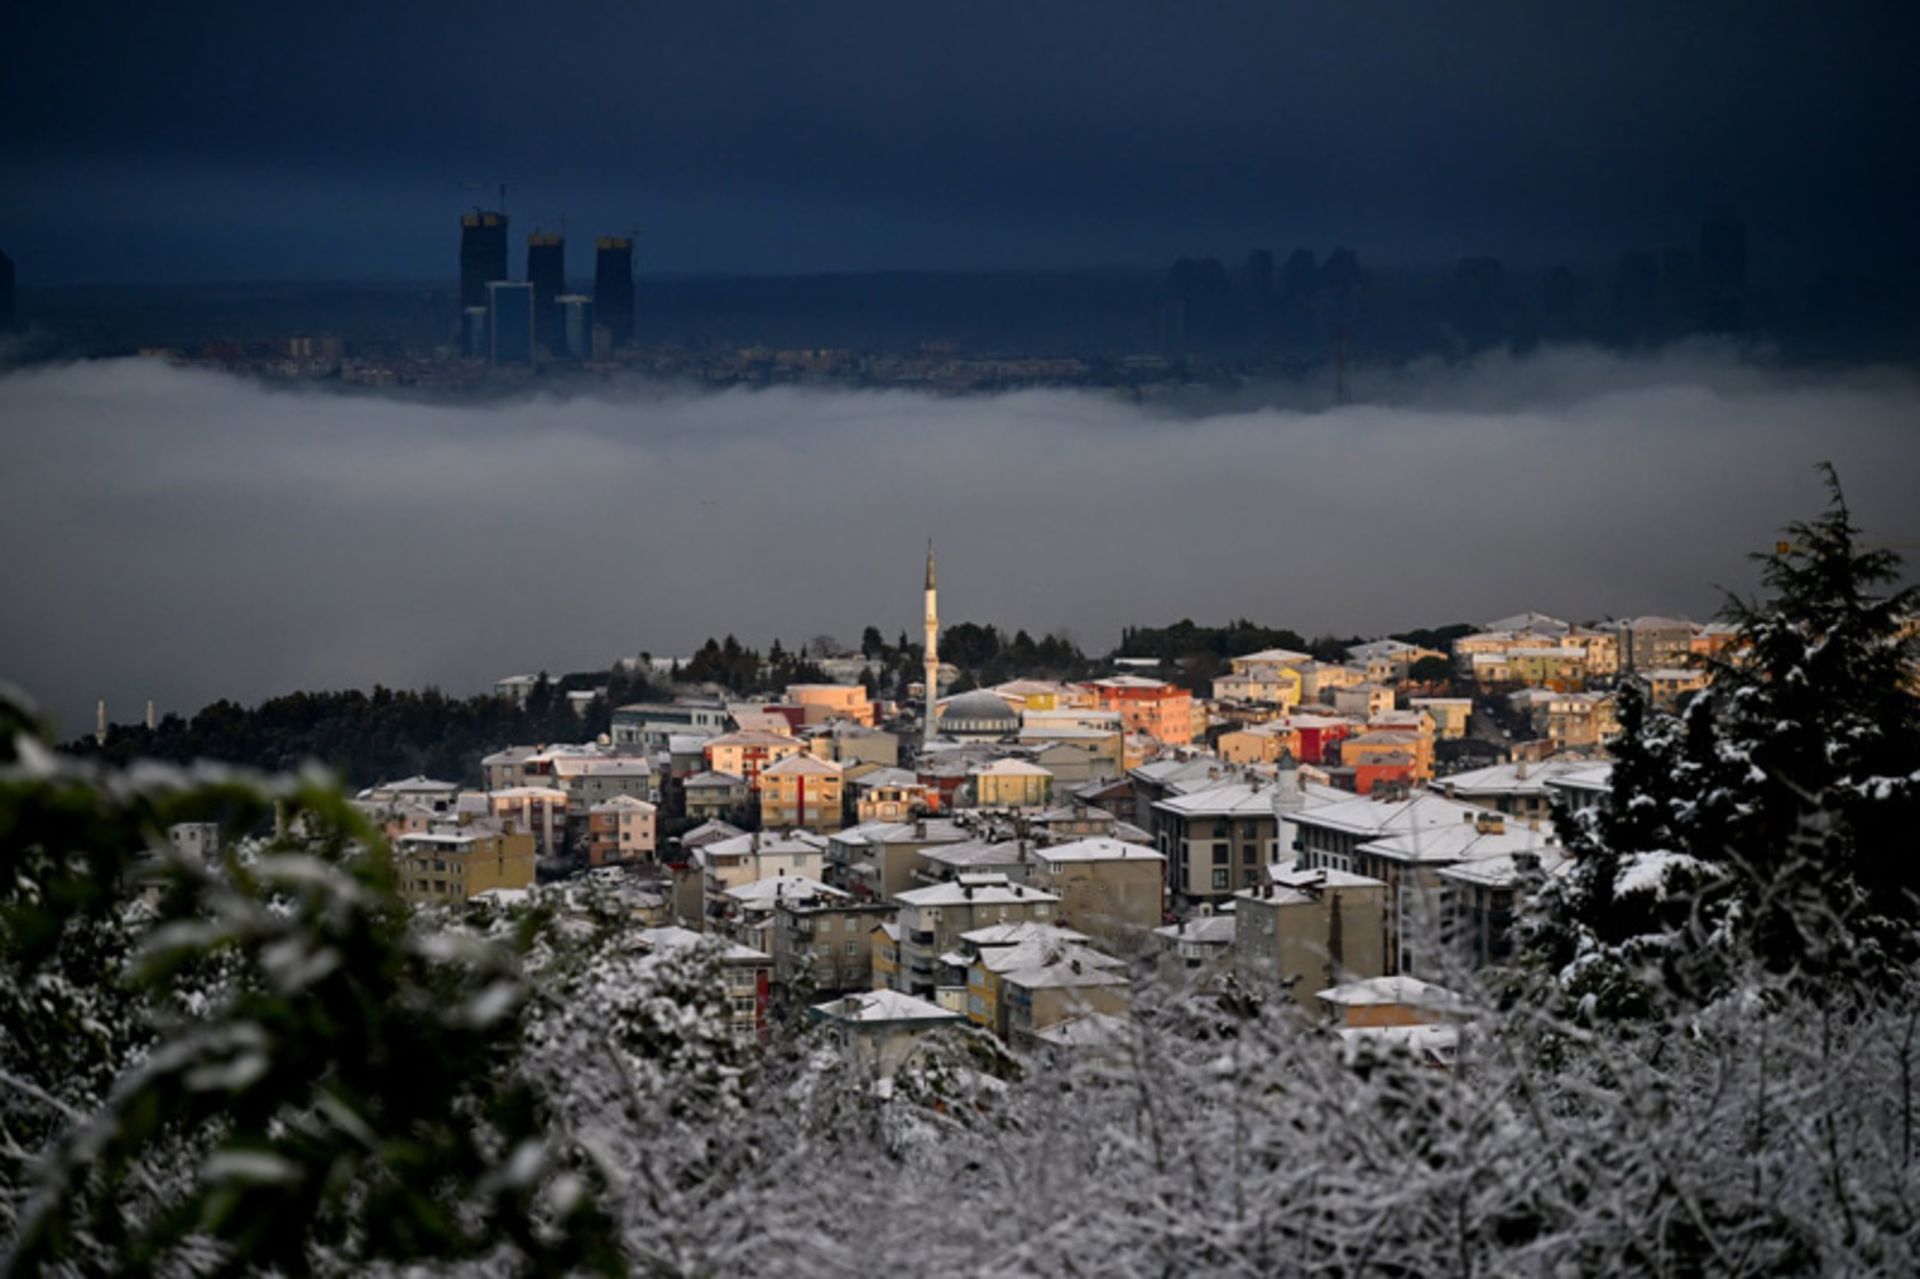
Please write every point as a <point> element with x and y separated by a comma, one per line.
<point>225,141</point>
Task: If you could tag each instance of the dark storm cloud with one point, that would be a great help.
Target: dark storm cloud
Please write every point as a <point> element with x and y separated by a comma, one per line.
<point>176,141</point>
<point>183,535</point>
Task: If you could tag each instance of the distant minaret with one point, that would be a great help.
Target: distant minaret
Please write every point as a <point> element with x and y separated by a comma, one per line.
<point>932,647</point>
<point>149,714</point>
<point>100,723</point>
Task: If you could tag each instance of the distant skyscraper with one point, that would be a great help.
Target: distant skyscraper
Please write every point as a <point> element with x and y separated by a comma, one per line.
<point>613,287</point>
<point>1723,271</point>
<point>509,322</point>
<point>6,291</point>
<point>547,273</point>
<point>575,331</point>
<point>473,332</point>
<point>483,255</point>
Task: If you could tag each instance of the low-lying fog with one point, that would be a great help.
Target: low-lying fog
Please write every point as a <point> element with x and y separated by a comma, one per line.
<point>183,535</point>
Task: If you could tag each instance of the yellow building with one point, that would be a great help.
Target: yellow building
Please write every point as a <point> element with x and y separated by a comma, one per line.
<point>1010,783</point>
<point>1319,679</point>
<point>1665,688</point>
<point>1451,715</point>
<point>451,864</point>
<point>1265,686</point>
<point>1554,667</point>
<point>801,792</point>
<point>1262,744</point>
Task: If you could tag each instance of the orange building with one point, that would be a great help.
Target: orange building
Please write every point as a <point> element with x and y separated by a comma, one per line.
<point>823,703</point>
<point>1151,706</point>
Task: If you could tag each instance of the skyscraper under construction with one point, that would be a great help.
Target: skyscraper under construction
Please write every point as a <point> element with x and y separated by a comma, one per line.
<point>613,287</point>
<point>547,273</point>
<point>483,254</point>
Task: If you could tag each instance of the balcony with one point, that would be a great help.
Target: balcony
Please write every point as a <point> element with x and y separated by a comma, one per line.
<point>920,937</point>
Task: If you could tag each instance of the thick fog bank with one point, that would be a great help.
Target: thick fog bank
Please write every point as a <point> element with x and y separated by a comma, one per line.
<point>183,535</point>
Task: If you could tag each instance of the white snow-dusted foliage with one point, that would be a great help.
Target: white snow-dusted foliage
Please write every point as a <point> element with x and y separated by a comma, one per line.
<point>616,1125</point>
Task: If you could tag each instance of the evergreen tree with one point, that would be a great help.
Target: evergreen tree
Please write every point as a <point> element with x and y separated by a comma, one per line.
<point>1768,826</point>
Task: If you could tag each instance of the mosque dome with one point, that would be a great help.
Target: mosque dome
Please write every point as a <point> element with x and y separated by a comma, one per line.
<point>978,712</point>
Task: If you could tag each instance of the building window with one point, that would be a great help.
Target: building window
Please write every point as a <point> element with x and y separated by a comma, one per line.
<point>853,948</point>
<point>1220,880</point>
<point>1220,854</point>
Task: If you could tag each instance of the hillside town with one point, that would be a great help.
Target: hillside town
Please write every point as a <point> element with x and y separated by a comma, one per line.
<point>1020,857</point>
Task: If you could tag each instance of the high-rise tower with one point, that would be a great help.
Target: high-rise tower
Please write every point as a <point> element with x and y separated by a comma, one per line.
<point>933,649</point>
<point>613,287</point>
<point>509,322</point>
<point>547,273</point>
<point>483,254</point>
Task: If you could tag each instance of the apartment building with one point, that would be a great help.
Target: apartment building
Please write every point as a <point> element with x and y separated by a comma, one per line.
<point>451,864</point>
<point>802,792</point>
<point>932,919</point>
<point>1112,890</point>
<point>623,830</point>
<point>1303,930</point>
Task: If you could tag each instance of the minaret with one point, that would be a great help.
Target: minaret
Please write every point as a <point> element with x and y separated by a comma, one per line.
<point>1288,799</point>
<point>100,723</point>
<point>932,649</point>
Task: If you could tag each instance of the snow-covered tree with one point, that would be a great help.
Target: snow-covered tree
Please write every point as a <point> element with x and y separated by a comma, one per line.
<point>1768,827</point>
<point>272,1067</point>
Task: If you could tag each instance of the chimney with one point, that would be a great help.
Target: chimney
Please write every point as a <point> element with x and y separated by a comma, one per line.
<point>850,1005</point>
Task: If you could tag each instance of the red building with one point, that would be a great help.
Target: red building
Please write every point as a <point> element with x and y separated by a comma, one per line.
<point>1319,736</point>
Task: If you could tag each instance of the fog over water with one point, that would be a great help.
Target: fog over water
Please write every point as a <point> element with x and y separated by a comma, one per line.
<point>184,535</point>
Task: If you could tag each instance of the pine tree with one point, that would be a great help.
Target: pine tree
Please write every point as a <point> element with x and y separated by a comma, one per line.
<point>1767,826</point>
